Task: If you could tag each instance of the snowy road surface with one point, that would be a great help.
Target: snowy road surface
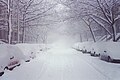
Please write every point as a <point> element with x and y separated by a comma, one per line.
<point>65,64</point>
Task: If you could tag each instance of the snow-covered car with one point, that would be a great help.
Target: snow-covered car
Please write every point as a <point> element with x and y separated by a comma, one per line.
<point>44,47</point>
<point>87,47</point>
<point>77,46</point>
<point>10,57</point>
<point>94,53</point>
<point>1,42</point>
<point>2,72</point>
<point>3,62</point>
<point>110,51</point>
<point>29,50</point>
<point>15,57</point>
<point>95,50</point>
<point>32,55</point>
<point>12,63</point>
<point>84,47</point>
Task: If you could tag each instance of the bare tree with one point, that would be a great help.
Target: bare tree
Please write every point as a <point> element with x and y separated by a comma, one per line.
<point>104,12</point>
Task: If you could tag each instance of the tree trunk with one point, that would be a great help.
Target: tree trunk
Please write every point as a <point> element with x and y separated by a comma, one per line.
<point>23,35</point>
<point>114,33</point>
<point>9,23</point>
<point>18,37</point>
<point>86,36</point>
<point>88,24</point>
<point>23,31</point>
<point>80,38</point>
<point>93,36</point>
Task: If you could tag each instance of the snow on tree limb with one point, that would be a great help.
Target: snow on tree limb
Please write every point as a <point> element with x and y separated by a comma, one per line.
<point>102,25</point>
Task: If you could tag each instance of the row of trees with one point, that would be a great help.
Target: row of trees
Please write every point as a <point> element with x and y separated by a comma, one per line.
<point>21,20</point>
<point>30,20</point>
<point>97,15</point>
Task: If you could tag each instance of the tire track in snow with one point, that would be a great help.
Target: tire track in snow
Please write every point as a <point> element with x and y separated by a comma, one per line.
<point>64,65</point>
<point>43,69</point>
<point>98,70</point>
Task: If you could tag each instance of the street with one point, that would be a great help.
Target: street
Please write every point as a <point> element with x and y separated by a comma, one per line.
<point>59,39</point>
<point>67,64</point>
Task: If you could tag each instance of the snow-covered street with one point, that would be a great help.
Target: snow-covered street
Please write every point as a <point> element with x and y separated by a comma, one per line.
<point>64,64</point>
<point>59,39</point>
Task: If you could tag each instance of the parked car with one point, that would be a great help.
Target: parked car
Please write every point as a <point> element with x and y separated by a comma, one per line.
<point>32,55</point>
<point>77,46</point>
<point>1,71</point>
<point>110,51</point>
<point>3,63</point>
<point>29,50</point>
<point>10,57</point>
<point>12,63</point>
<point>1,42</point>
<point>95,50</point>
<point>86,47</point>
<point>15,57</point>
